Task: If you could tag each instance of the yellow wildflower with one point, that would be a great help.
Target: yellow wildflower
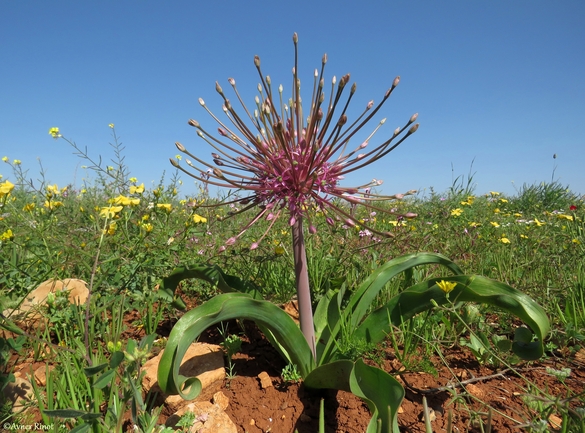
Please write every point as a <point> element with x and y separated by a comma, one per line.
<point>137,189</point>
<point>133,180</point>
<point>166,206</point>
<point>539,223</point>
<point>495,224</point>
<point>5,158</point>
<point>494,193</point>
<point>474,224</point>
<point>52,204</point>
<point>503,200</point>
<point>29,207</point>
<point>110,211</point>
<point>5,188</point>
<point>52,190</point>
<point>146,227</point>
<point>446,286</point>
<point>497,210</point>
<point>456,212</point>
<point>199,219</point>
<point>111,125</point>
<point>567,217</point>
<point>125,201</point>
<point>7,235</point>
<point>54,132</point>
<point>504,240</point>
<point>17,162</point>
<point>279,250</point>
<point>576,241</point>
<point>179,157</point>
<point>517,214</point>
<point>111,229</point>
<point>524,236</point>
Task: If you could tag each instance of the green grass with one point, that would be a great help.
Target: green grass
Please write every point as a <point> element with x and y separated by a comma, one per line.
<point>533,241</point>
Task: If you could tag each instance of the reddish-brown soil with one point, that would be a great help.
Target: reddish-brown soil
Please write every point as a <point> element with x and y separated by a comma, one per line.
<point>286,407</point>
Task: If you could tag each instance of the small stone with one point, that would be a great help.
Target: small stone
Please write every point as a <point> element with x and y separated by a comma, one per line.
<point>265,381</point>
<point>40,374</point>
<point>284,405</point>
<point>305,418</point>
<point>432,415</point>
<point>220,399</point>
<point>462,375</point>
<point>475,390</point>
<point>555,421</point>
<point>400,409</point>
<point>252,422</point>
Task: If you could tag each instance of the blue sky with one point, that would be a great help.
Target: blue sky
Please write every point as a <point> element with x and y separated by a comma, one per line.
<point>499,83</point>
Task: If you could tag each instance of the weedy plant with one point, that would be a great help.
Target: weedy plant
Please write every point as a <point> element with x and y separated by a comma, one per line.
<point>288,160</point>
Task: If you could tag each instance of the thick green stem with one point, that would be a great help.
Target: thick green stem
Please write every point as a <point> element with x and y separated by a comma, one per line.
<point>303,289</point>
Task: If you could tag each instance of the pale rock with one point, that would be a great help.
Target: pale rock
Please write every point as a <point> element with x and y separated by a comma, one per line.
<point>40,374</point>
<point>209,418</point>
<point>20,393</point>
<point>265,381</point>
<point>475,391</point>
<point>205,361</point>
<point>220,399</point>
<point>77,294</point>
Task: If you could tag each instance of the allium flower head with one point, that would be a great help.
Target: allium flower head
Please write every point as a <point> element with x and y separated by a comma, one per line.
<point>290,155</point>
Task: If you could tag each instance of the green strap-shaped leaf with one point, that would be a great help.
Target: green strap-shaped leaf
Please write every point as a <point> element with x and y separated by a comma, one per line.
<point>361,300</point>
<point>222,308</point>
<point>476,289</point>
<point>382,393</point>
<point>210,273</point>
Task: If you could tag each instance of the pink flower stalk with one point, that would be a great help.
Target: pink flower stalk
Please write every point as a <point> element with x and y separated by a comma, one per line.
<point>291,161</point>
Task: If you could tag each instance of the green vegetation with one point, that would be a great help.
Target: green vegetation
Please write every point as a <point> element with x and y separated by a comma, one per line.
<point>124,239</point>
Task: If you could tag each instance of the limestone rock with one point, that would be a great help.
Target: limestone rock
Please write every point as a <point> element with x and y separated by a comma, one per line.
<point>209,418</point>
<point>202,360</point>
<point>265,381</point>
<point>19,392</point>
<point>40,374</point>
<point>77,293</point>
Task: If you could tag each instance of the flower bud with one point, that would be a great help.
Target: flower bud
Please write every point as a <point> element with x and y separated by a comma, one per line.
<point>174,162</point>
<point>353,88</point>
<point>201,101</point>
<point>410,215</point>
<point>180,146</point>
<point>292,221</point>
<point>324,59</point>
<point>396,81</point>
<point>231,241</point>
<point>295,37</point>
<point>413,128</point>
<point>193,123</point>
<point>257,61</point>
<point>413,117</point>
<point>218,88</point>
<point>312,229</point>
<point>253,246</point>
<point>330,221</point>
<point>232,81</point>
<point>370,104</point>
